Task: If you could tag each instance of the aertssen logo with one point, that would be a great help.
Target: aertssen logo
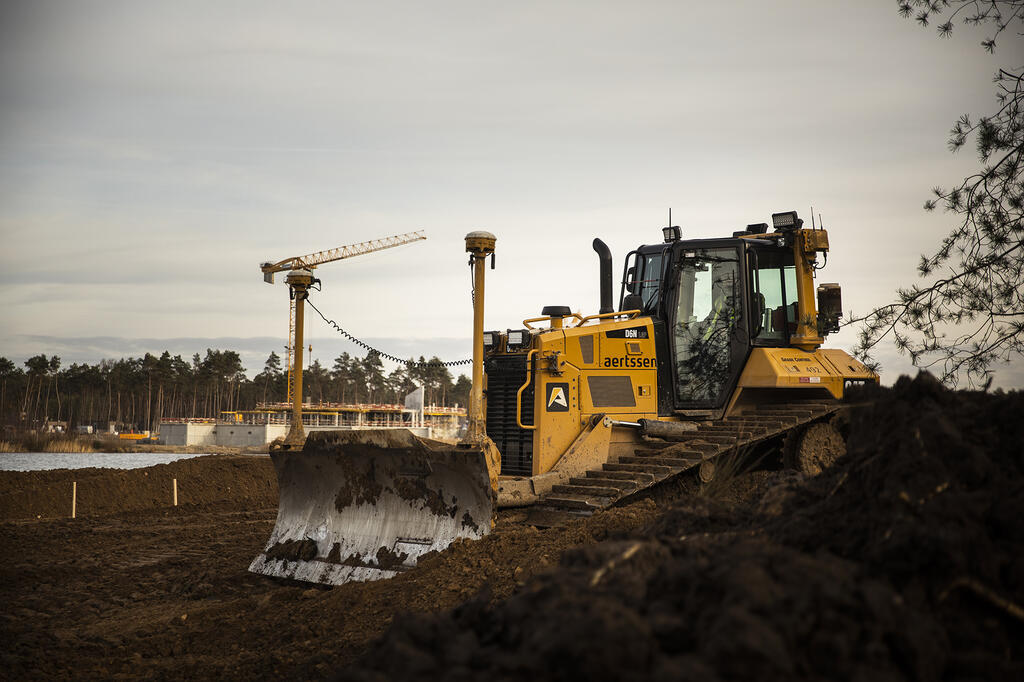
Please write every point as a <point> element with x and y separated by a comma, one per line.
<point>557,397</point>
<point>630,361</point>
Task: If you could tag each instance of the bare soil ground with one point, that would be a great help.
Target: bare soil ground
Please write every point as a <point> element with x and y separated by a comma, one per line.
<point>903,561</point>
<point>163,592</point>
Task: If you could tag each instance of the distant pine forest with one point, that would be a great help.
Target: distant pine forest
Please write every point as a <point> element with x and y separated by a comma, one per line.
<point>135,393</point>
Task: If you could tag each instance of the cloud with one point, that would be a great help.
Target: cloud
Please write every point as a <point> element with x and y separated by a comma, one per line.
<point>153,154</point>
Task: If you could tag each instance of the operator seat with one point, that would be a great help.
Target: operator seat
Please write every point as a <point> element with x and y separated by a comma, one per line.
<point>632,302</point>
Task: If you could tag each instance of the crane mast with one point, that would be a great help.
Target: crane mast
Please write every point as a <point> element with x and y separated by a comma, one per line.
<point>299,279</point>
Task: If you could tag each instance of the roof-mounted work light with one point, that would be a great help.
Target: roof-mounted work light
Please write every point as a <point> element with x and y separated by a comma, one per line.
<point>672,233</point>
<point>787,221</point>
<point>755,228</point>
<point>490,340</point>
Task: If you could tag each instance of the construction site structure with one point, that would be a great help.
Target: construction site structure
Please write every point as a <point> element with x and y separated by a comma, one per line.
<point>271,421</point>
<point>300,280</point>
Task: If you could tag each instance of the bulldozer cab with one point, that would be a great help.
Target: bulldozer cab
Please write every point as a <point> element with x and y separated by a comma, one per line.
<point>715,299</point>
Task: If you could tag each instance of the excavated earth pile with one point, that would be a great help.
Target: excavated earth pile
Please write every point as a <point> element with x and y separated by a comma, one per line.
<point>903,561</point>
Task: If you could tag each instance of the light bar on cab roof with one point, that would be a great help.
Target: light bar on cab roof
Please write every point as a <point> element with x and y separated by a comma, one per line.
<point>784,220</point>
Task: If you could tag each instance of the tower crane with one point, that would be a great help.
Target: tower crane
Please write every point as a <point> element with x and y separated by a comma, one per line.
<point>299,279</point>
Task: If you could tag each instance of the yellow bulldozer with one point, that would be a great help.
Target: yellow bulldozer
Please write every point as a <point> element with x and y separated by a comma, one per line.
<point>715,346</point>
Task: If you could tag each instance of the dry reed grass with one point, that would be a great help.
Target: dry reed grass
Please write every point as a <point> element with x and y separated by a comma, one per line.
<point>54,442</point>
<point>68,445</point>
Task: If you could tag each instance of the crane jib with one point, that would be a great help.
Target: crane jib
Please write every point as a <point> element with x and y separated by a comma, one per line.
<point>329,255</point>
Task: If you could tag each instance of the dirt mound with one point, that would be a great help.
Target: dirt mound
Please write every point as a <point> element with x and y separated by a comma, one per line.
<point>866,571</point>
<point>904,561</point>
<point>931,498</point>
<point>703,610</point>
<point>101,492</point>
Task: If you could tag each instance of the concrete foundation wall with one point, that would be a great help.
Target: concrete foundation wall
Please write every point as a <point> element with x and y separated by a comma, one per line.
<point>189,433</point>
<point>173,434</point>
<point>237,435</point>
<point>248,435</point>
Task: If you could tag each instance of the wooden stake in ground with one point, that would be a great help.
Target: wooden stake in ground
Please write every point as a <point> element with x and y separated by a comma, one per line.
<point>74,497</point>
<point>174,485</point>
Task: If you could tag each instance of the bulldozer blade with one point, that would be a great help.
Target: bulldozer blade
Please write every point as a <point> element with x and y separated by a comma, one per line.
<point>365,505</point>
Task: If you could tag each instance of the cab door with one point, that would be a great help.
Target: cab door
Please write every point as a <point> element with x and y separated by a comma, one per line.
<point>707,330</point>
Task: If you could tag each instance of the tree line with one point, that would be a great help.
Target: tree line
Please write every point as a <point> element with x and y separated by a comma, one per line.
<point>135,393</point>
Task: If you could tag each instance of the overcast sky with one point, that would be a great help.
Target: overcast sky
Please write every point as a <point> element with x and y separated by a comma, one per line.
<point>153,154</point>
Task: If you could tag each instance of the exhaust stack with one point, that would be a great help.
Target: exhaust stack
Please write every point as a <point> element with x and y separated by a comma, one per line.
<point>606,276</point>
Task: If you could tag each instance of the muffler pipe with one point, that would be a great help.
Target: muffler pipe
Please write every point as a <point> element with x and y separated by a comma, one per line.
<point>606,275</point>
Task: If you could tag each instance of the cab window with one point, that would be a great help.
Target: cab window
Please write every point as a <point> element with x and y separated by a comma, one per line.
<point>649,282</point>
<point>643,277</point>
<point>775,295</point>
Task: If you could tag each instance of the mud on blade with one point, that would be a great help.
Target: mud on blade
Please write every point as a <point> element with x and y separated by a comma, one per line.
<point>365,505</point>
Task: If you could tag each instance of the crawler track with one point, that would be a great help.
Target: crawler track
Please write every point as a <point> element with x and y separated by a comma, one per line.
<point>660,460</point>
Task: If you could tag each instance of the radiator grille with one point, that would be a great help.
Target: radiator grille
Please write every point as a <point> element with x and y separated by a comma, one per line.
<point>505,374</point>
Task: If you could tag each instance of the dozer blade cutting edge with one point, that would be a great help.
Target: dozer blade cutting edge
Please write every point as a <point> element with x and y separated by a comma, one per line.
<point>365,505</point>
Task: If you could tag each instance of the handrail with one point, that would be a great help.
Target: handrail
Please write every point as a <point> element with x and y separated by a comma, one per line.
<point>526,323</point>
<point>519,393</point>
<point>601,316</point>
